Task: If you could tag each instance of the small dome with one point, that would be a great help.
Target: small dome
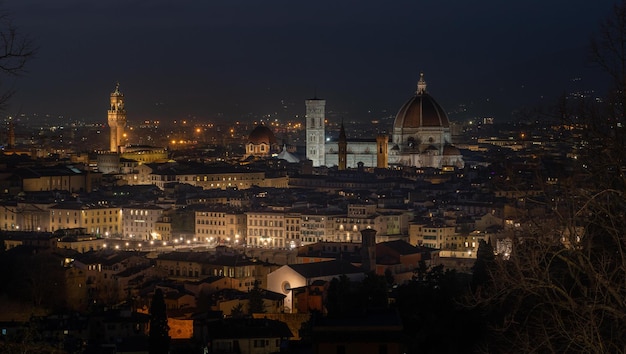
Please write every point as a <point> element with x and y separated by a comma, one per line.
<point>262,134</point>
<point>421,110</point>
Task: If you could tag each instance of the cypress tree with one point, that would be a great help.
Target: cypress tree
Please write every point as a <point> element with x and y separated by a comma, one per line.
<point>159,330</point>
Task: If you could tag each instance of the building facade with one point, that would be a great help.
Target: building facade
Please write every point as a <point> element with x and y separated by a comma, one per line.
<point>266,229</point>
<point>139,222</point>
<point>96,219</point>
<point>221,225</point>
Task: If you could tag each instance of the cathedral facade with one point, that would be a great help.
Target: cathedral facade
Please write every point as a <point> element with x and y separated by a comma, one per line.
<point>420,138</point>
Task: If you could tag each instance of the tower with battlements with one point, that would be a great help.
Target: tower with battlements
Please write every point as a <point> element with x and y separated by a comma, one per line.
<point>117,119</point>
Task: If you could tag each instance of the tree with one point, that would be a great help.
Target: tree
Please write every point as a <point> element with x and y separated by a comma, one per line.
<point>342,299</point>
<point>159,330</point>
<point>563,288</point>
<point>374,291</point>
<point>433,319</point>
<point>237,311</point>
<point>483,265</point>
<point>16,50</point>
<point>257,304</point>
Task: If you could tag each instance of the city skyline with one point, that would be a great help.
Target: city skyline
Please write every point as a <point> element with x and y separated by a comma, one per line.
<point>240,60</point>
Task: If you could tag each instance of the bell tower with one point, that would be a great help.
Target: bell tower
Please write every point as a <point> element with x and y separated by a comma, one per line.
<point>382,154</point>
<point>315,115</point>
<point>117,118</point>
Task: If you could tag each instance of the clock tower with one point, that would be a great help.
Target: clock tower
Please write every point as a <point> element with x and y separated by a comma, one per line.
<point>117,118</point>
<point>315,137</point>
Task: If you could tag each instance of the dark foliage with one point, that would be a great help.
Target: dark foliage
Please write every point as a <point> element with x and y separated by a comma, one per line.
<point>256,300</point>
<point>434,320</point>
<point>159,330</point>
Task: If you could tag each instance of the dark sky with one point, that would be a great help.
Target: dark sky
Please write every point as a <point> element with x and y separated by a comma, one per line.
<point>228,58</point>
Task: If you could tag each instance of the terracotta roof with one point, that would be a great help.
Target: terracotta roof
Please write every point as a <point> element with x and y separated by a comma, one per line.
<point>262,134</point>
<point>322,269</point>
<point>421,110</point>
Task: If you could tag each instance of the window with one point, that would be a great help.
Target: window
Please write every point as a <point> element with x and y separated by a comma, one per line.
<point>259,343</point>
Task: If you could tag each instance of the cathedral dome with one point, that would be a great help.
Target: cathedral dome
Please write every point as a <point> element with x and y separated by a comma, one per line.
<point>421,111</point>
<point>262,134</point>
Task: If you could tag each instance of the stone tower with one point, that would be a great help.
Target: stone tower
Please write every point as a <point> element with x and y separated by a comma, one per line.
<point>342,145</point>
<point>382,158</point>
<point>315,115</point>
<point>117,119</point>
<point>368,250</point>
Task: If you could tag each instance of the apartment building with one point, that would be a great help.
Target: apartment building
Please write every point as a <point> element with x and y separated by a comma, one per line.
<point>99,219</point>
<point>139,221</point>
<point>221,224</point>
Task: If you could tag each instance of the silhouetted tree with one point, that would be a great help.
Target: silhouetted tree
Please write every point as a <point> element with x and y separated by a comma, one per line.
<point>237,311</point>
<point>339,301</point>
<point>389,277</point>
<point>374,291</point>
<point>481,271</point>
<point>563,288</point>
<point>159,330</point>
<point>434,319</point>
<point>256,305</point>
<point>16,50</point>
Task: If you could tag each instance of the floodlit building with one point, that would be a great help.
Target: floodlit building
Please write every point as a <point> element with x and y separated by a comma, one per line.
<point>221,225</point>
<point>420,137</point>
<point>97,219</point>
<point>139,221</point>
<point>266,228</point>
<point>116,119</point>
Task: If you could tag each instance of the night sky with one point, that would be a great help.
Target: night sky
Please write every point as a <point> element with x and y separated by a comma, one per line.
<point>214,59</point>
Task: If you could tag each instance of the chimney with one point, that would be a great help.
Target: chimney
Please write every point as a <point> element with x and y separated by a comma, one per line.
<point>368,250</point>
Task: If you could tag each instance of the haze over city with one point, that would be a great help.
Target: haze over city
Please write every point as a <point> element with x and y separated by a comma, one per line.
<point>236,59</point>
<point>312,177</point>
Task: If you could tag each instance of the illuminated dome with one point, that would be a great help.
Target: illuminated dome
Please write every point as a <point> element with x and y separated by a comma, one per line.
<point>262,135</point>
<point>261,142</point>
<point>421,110</point>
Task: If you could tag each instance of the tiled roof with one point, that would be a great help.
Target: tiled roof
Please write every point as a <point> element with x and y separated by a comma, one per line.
<point>322,269</point>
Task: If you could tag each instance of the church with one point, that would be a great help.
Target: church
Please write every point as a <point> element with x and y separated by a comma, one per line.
<point>420,137</point>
